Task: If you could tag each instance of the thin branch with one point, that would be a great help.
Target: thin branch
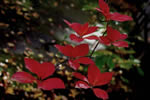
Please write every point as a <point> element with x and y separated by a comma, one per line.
<point>94,49</point>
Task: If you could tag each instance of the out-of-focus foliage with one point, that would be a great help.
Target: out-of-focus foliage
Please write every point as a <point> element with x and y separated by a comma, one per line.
<point>111,60</point>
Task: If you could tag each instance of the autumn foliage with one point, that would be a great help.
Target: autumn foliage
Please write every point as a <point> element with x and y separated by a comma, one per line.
<point>77,55</point>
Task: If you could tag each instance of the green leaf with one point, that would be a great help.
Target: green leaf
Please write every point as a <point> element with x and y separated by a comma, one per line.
<point>90,6</point>
<point>103,59</point>
<point>65,37</point>
<point>100,61</point>
<point>11,70</point>
<point>1,69</point>
<point>124,79</point>
<point>140,71</point>
<point>110,62</point>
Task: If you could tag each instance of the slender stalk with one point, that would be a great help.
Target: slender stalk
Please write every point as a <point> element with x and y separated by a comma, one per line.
<point>94,49</point>
<point>98,42</point>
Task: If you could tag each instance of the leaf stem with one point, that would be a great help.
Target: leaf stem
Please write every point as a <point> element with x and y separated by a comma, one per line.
<point>94,49</point>
<point>98,42</point>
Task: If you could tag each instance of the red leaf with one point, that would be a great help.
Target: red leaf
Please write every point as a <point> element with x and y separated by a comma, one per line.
<point>91,30</point>
<point>80,50</point>
<point>46,69</point>
<point>42,70</point>
<point>93,73</point>
<point>84,29</point>
<point>104,40</point>
<point>100,93</point>
<point>78,39</point>
<point>96,78</point>
<point>120,44</point>
<point>114,37</point>
<point>66,50</point>
<point>23,77</point>
<point>103,7</point>
<point>84,60</point>
<point>73,64</point>
<point>91,38</point>
<point>113,34</point>
<point>103,79</point>
<point>119,17</point>
<point>75,38</point>
<point>123,36</point>
<point>52,83</point>
<point>81,29</point>
<point>80,76</point>
<point>81,84</point>
<point>32,65</point>
<point>75,26</point>
<point>67,22</point>
<point>77,51</point>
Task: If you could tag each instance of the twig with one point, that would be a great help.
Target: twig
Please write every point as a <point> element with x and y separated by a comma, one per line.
<point>94,49</point>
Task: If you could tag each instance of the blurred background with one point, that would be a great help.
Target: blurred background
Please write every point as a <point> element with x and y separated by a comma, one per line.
<point>31,28</point>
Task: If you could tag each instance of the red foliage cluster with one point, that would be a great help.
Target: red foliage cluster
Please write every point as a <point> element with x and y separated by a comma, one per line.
<point>81,30</point>
<point>95,78</point>
<point>78,55</point>
<point>42,71</point>
<point>114,37</point>
<point>104,9</point>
